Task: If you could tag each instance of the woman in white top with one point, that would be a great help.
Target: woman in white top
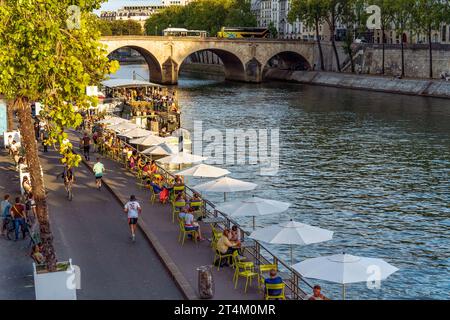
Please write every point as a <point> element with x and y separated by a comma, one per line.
<point>190,224</point>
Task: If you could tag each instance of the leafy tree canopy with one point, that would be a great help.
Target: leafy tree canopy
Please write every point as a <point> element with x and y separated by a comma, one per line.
<point>209,15</point>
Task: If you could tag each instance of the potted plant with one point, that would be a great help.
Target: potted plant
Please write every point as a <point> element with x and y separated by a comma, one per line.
<point>56,285</point>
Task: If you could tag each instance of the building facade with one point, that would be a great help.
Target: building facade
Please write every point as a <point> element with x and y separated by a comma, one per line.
<point>275,12</point>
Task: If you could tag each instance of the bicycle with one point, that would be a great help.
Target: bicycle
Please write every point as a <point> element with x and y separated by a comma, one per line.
<point>68,186</point>
<point>10,228</point>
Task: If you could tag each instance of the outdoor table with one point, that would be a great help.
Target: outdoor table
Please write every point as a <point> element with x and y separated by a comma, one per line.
<point>214,220</point>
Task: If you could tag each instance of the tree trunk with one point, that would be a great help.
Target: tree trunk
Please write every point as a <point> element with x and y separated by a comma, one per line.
<point>37,179</point>
<point>403,56</point>
<point>10,115</point>
<point>333,42</point>
<point>430,47</point>
<point>383,39</point>
<point>319,44</point>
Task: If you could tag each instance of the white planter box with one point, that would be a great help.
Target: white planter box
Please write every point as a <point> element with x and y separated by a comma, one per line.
<point>55,285</point>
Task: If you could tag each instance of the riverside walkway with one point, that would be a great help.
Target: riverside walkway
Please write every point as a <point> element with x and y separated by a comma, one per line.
<point>92,231</point>
<point>183,261</point>
<point>156,223</point>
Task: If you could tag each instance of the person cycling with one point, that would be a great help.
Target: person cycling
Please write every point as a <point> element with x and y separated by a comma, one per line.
<point>98,169</point>
<point>69,178</point>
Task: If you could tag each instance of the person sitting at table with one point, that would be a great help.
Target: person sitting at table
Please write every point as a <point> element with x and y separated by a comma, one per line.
<point>132,163</point>
<point>273,279</point>
<point>153,167</point>
<point>146,169</point>
<point>235,234</point>
<point>140,162</point>
<point>164,195</point>
<point>183,212</point>
<point>225,246</point>
<point>180,198</point>
<point>178,183</point>
<point>317,295</point>
<point>190,224</point>
<point>156,187</point>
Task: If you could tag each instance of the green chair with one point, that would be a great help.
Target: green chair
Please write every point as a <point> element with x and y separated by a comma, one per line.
<point>221,256</point>
<point>198,212</point>
<point>280,286</point>
<point>184,232</point>
<point>175,208</point>
<point>245,270</point>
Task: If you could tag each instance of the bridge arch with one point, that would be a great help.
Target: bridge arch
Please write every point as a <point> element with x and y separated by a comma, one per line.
<point>154,66</point>
<point>287,60</point>
<point>233,66</point>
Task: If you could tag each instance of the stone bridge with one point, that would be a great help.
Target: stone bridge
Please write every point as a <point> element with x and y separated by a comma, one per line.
<point>243,59</point>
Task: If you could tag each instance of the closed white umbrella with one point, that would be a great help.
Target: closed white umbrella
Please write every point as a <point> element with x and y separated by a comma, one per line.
<point>112,120</point>
<point>181,158</point>
<point>181,132</point>
<point>292,233</point>
<point>204,171</point>
<point>149,140</point>
<point>253,207</point>
<point>136,133</point>
<point>162,149</point>
<point>123,126</point>
<point>225,184</point>
<point>345,268</point>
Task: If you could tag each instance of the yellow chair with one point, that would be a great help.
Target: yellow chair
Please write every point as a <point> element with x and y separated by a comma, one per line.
<point>280,286</point>
<point>265,268</point>
<point>152,195</point>
<point>178,189</point>
<point>176,208</point>
<point>184,232</point>
<point>198,212</point>
<point>248,265</point>
<point>220,256</point>
<point>243,269</point>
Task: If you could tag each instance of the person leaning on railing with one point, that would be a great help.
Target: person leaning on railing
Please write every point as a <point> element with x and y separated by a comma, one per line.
<point>317,295</point>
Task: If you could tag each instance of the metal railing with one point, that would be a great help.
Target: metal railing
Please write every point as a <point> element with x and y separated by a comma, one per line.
<point>296,284</point>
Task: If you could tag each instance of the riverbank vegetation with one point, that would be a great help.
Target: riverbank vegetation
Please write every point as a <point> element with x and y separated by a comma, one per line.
<point>208,15</point>
<point>414,16</point>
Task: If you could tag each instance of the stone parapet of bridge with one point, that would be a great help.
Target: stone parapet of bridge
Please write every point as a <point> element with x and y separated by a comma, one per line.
<point>243,59</point>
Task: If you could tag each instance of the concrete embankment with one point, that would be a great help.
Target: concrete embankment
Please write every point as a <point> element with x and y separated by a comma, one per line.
<point>420,87</point>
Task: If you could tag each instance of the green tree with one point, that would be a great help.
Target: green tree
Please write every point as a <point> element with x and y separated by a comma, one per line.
<point>272,30</point>
<point>47,54</point>
<point>353,16</point>
<point>387,13</point>
<point>125,27</point>
<point>209,15</point>
<point>239,14</point>
<point>311,13</point>
<point>333,11</point>
<point>402,14</point>
<point>428,15</point>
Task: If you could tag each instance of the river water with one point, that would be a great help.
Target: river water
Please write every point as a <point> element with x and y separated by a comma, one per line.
<point>372,167</point>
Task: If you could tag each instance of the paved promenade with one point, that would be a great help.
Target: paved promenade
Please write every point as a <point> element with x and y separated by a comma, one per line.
<point>92,230</point>
<point>156,221</point>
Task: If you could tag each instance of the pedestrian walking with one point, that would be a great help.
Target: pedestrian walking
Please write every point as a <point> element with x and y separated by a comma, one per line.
<point>86,146</point>
<point>133,209</point>
<point>18,213</point>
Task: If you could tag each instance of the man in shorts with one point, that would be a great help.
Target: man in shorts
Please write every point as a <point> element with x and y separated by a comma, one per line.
<point>86,146</point>
<point>98,169</point>
<point>133,209</point>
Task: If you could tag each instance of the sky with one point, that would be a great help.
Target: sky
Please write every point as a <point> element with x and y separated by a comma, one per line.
<point>116,4</point>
